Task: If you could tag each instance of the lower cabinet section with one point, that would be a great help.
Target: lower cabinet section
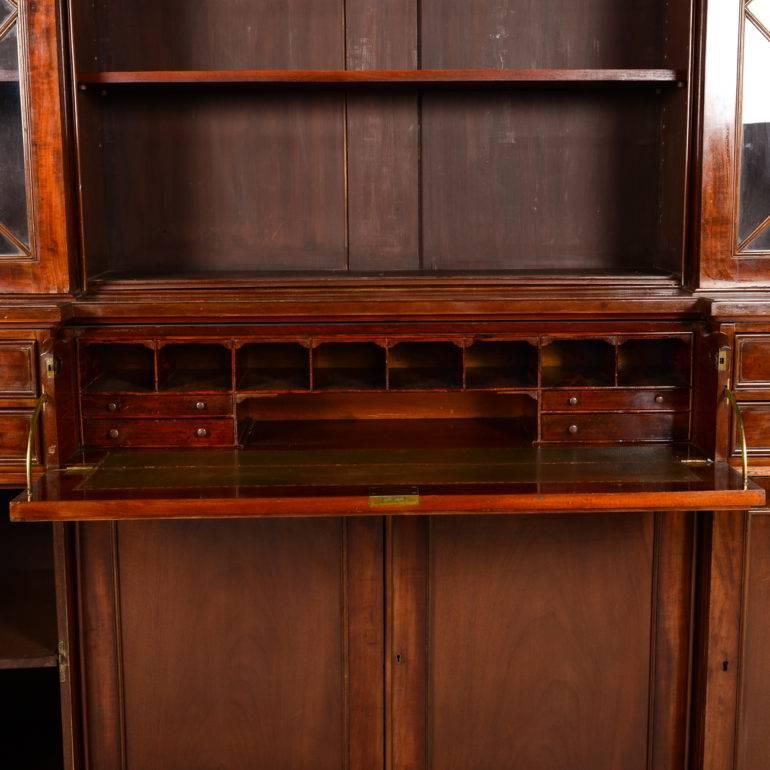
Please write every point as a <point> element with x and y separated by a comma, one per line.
<point>753,746</point>
<point>450,643</point>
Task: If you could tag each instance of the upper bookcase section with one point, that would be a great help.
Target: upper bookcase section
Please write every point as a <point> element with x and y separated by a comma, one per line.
<point>378,34</point>
<point>250,139</point>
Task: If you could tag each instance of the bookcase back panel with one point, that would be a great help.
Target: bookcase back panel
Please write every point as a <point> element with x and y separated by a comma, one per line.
<point>332,34</point>
<point>539,180</point>
<point>225,180</point>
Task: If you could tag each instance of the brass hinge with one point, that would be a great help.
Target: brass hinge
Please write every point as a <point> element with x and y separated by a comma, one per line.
<point>64,661</point>
<point>80,468</point>
<point>395,499</point>
<point>698,462</point>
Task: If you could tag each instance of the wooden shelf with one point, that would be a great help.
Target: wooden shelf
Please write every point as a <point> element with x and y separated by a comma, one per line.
<point>27,620</point>
<point>385,77</point>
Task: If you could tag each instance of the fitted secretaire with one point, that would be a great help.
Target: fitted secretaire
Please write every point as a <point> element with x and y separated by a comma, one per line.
<point>384,385</point>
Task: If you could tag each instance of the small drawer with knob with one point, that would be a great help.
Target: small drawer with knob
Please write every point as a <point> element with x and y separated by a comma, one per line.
<point>158,433</point>
<point>157,406</point>
<point>615,428</point>
<point>617,399</point>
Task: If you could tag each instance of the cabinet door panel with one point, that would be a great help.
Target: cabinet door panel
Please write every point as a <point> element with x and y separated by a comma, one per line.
<point>552,642</point>
<point>233,643</point>
<point>753,735</point>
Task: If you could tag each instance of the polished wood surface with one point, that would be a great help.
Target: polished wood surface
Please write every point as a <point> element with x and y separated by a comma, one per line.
<point>350,77</point>
<point>290,657</point>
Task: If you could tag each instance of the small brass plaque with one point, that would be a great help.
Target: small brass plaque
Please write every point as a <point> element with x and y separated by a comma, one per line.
<point>402,500</point>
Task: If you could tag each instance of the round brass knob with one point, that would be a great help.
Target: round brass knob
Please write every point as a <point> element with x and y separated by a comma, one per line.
<point>201,433</point>
<point>113,433</point>
<point>112,407</point>
<point>659,399</point>
<point>200,405</point>
<point>573,401</point>
<point>573,429</point>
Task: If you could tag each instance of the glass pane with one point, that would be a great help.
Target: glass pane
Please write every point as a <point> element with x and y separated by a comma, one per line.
<point>13,198</point>
<point>9,53</point>
<point>761,9</point>
<point>6,9</point>
<point>755,161</point>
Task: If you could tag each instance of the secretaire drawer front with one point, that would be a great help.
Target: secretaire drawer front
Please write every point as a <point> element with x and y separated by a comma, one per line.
<point>158,433</point>
<point>620,399</point>
<point>157,406</point>
<point>753,359</point>
<point>756,421</point>
<point>18,373</point>
<point>613,428</point>
<point>14,433</point>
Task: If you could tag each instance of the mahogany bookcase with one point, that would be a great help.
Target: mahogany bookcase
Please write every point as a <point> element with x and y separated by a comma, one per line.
<point>385,385</point>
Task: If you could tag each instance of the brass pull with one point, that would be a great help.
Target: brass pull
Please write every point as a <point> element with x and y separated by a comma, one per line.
<point>201,433</point>
<point>573,429</point>
<point>573,401</point>
<point>200,405</point>
<point>659,399</point>
<point>112,406</point>
<point>738,417</point>
<point>41,402</point>
<point>113,433</point>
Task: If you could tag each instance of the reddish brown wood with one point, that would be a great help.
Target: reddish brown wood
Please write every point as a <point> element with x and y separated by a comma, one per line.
<point>384,76</point>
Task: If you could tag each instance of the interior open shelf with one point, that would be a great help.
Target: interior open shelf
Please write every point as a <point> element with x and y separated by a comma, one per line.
<point>118,368</point>
<point>387,420</point>
<point>578,363</point>
<point>654,362</point>
<point>371,77</point>
<point>28,633</point>
<point>272,366</point>
<point>194,367</point>
<point>501,365</point>
<point>425,366</point>
<point>349,366</point>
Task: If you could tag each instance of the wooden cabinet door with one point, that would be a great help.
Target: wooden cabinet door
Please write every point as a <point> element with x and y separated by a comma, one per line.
<point>550,642</point>
<point>237,644</point>
<point>733,207</point>
<point>35,253</point>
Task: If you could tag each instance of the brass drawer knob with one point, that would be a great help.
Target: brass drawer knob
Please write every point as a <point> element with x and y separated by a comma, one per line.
<point>201,433</point>
<point>573,429</point>
<point>659,399</point>
<point>112,407</point>
<point>573,401</point>
<point>200,405</point>
<point>113,433</point>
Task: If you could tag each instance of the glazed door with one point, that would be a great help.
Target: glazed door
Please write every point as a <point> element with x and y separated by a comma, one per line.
<point>34,239</point>
<point>734,204</point>
<point>556,642</point>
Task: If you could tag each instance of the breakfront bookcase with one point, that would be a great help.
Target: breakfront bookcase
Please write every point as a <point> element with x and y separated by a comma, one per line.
<point>385,384</point>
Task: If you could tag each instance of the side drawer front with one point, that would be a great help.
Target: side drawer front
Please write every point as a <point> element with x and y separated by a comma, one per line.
<point>756,421</point>
<point>14,433</point>
<point>752,366</point>
<point>576,400</point>
<point>18,373</point>
<point>614,428</point>
<point>158,433</point>
<point>157,406</point>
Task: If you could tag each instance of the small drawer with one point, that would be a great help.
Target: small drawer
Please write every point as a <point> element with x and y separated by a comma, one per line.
<point>18,373</point>
<point>756,421</point>
<point>157,406</point>
<point>614,428</point>
<point>617,399</point>
<point>158,433</point>
<point>14,434</point>
<point>752,366</point>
